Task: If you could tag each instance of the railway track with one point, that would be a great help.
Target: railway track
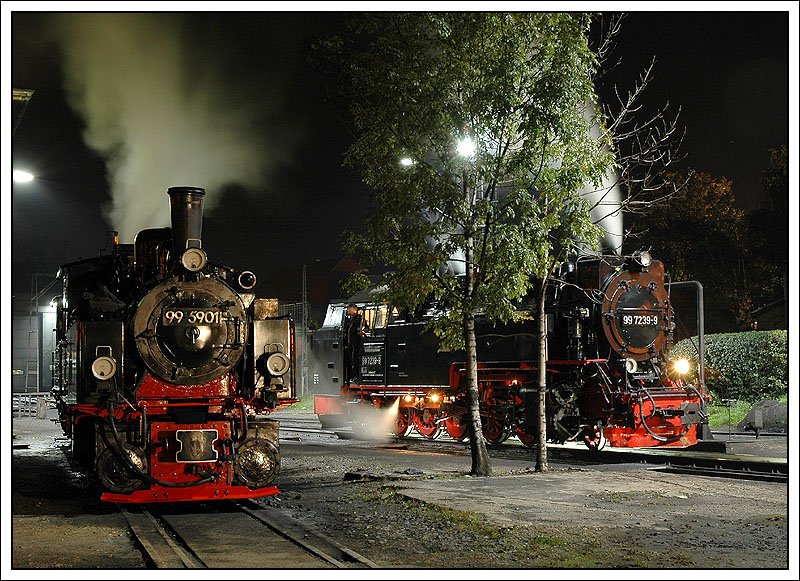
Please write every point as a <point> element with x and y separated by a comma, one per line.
<point>230,535</point>
<point>714,464</point>
<point>718,465</point>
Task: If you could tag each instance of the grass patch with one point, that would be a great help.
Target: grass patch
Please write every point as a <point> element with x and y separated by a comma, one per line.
<point>464,522</point>
<point>718,414</point>
<point>516,546</point>
<point>307,403</point>
<point>458,520</point>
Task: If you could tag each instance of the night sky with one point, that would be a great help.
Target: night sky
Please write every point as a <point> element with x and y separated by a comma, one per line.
<point>230,95</point>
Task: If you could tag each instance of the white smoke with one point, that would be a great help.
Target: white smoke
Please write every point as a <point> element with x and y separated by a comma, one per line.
<point>606,201</point>
<point>376,424</point>
<point>161,114</point>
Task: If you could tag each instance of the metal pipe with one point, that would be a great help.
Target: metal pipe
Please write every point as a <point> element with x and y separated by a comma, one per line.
<point>651,432</point>
<point>703,433</point>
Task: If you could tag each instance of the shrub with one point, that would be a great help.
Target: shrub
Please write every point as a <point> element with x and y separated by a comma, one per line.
<point>750,366</point>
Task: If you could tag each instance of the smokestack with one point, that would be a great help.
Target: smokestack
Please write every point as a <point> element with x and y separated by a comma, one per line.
<point>186,208</point>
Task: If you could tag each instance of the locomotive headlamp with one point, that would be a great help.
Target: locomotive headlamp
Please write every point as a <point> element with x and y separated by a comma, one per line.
<point>278,364</point>
<point>104,367</point>
<point>434,397</point>
<point>246,280</point>
<point>256,462</point>
<point>681,366</point>
<point>631,365</point>
<point>643,258</point>
<point>194,259</point>
<point>408,398</point>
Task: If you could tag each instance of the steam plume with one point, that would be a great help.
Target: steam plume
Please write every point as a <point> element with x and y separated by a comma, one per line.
<point>606,201</point>
<point>163,108</point>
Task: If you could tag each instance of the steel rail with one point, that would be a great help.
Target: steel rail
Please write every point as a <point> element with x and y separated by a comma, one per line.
<point>166,548</point>
<point>162,550</point>
<point>306,537</point>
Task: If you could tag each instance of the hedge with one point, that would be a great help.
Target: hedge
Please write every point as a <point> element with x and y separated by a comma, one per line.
<point>750,366</point>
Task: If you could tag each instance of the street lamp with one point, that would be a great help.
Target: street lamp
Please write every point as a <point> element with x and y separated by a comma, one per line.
<point>466,147</point>
<point>22,177</point>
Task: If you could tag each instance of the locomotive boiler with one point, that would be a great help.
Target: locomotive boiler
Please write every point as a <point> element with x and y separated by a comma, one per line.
<point>167,366</point>
<point>610,323</point>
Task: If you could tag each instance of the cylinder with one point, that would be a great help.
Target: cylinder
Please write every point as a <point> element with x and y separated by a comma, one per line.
<point>186,208</point>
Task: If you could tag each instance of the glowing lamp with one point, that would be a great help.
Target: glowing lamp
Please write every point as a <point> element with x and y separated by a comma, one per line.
<point>643,258</point>
<point>681,366</point>
<point>22,177</point>
<point>466,147</point>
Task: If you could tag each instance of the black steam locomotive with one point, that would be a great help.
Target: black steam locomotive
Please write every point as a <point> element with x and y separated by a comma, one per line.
<point>610,322</point>
<point>166,365</point>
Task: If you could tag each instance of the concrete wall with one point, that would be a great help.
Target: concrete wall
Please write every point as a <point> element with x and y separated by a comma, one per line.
<point>32,344</point>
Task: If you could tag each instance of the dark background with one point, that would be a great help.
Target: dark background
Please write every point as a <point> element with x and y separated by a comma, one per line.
<point>727,71</point>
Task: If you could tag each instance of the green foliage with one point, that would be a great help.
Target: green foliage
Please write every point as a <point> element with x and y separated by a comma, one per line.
<point>718,413</point>
<point>749,366</point>
<point>518,85</point>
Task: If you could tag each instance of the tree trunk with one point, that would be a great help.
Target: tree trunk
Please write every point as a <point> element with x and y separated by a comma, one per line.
<point>477,444</point>
<point>541,402</point>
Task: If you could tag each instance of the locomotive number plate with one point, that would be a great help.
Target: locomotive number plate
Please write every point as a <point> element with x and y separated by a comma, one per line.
<point>196,445</point>
<point>192,317</point>
<point>640,320</point>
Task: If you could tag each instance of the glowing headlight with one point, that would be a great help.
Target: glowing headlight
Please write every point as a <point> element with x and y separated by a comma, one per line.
<point>681,366</point>
<point>434,397</point>
<point>643,258</point>
<point>408,398</point>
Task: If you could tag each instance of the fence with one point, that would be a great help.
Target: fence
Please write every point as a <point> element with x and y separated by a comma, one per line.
<point>31,404</point>
<point>299,314</point>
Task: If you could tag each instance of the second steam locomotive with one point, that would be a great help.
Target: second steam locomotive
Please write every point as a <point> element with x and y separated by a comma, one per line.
<point>610,323</point>
<point>166,366</point>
